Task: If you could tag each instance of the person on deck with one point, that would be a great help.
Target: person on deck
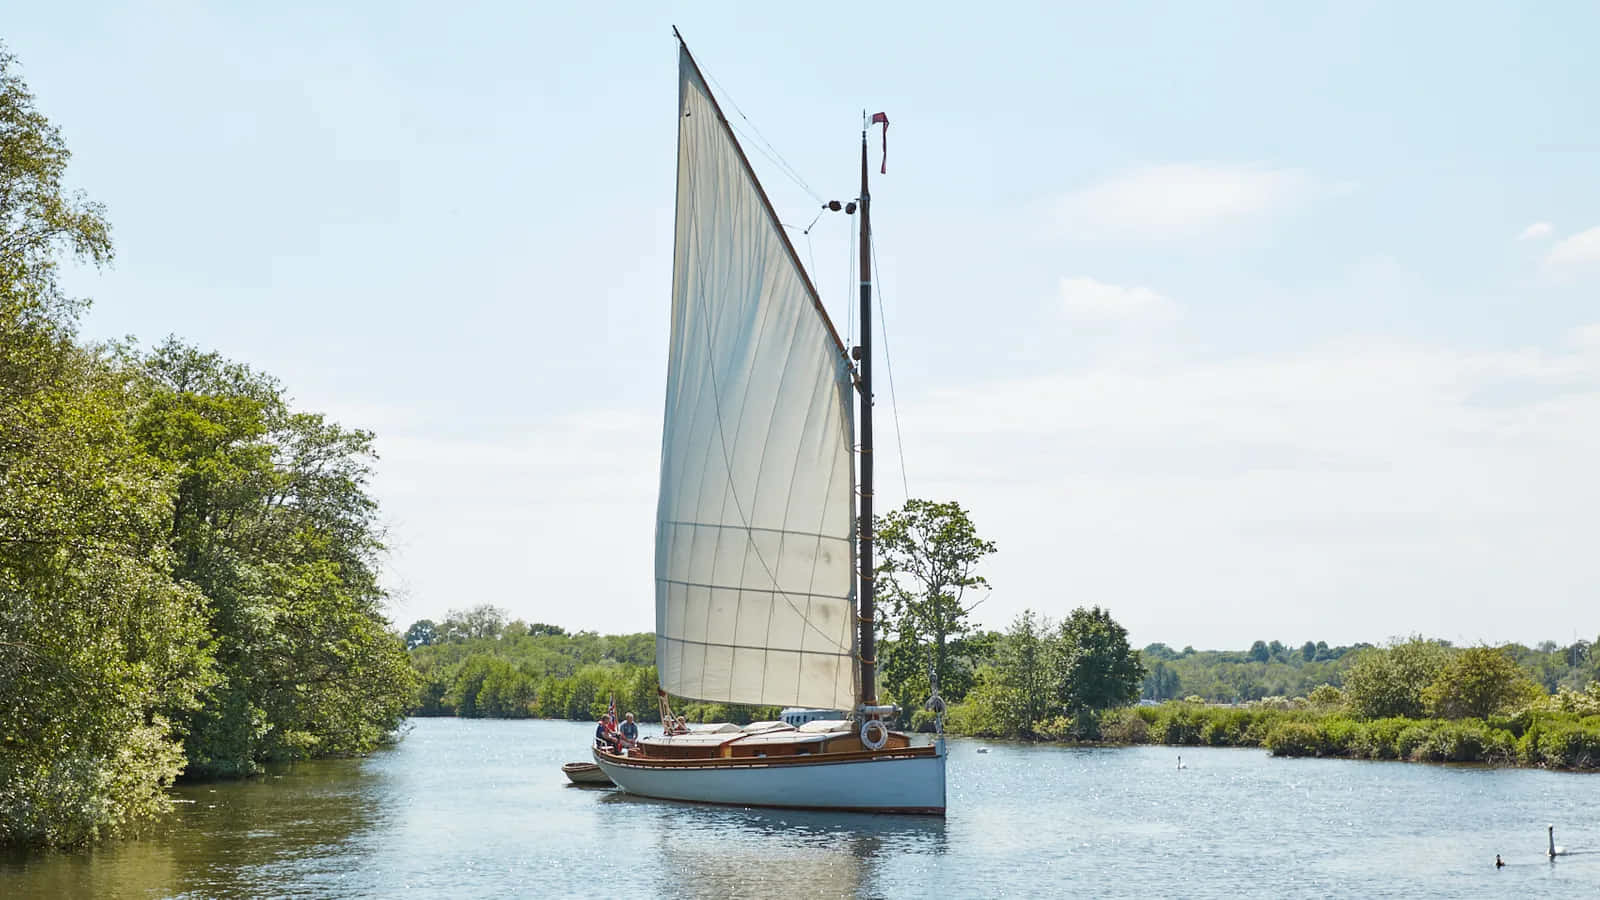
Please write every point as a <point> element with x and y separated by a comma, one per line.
<point>605,736</point>
<point>630,731</point>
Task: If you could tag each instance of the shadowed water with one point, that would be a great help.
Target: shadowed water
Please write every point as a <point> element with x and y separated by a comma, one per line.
<point>480,809</point>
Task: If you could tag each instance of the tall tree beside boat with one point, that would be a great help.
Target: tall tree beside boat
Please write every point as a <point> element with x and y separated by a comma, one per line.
<point>930,554</point>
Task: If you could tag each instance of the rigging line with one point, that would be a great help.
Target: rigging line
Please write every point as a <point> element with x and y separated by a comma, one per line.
<point>850,306</point>
<point>756,141</point>
<point>894,402</point>
<point>791,171</point>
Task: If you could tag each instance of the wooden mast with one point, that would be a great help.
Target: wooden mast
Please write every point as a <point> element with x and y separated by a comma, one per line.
<point>866,615</point>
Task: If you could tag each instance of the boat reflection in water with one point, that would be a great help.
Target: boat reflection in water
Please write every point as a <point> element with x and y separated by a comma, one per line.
<point>718,851</point>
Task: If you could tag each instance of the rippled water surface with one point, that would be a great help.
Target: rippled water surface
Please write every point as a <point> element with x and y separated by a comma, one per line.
<point>481,809</point>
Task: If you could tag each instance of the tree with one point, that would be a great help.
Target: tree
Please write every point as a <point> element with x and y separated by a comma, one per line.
<point>1095,668</point>
<point>98,645</point>
<point>272,522</point>
<point>1390,681</point>
<point>421,634</point>
<point>930,555</point>
<point>1259,652</point>
<point>1308,651</point>
<point>1022,668</point>
<point>1479,682</point>
<point>482,621</point>
<point>1163,683</point>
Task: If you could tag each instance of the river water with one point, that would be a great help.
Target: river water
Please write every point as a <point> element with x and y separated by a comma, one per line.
<point>464,808</point>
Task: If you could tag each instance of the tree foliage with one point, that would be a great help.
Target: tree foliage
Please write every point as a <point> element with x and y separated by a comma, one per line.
<point>186,565</point>
<point>272,522</point>
<point>1391,681</point>
<point>1095,669</point>
<point>1479,682</point>
<point>930,557</point>
<point>1022,671</point>
<point>97,644</point>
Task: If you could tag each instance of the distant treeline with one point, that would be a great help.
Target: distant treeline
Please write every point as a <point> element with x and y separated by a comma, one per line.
<point>1273,669</point>
<point>188,564</point>
<point>478,664</point>
<point>1416,699</point>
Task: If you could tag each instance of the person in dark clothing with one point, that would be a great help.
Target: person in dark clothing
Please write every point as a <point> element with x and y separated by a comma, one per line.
<point>604,736</point>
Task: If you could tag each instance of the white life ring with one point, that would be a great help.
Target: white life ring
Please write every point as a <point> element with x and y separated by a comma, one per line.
<point>873,734</point>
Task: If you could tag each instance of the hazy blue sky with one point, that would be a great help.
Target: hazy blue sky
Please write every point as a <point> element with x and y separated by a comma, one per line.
<point>1246,320</point>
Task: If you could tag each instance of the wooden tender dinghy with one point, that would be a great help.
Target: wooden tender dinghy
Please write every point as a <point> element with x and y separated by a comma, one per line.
<point>586,773</point>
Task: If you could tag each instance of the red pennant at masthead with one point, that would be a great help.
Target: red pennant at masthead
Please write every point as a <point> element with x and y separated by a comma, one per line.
<point>883,169</point>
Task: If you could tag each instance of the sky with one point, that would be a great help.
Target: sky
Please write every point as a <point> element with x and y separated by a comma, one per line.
<point>1245,321</point>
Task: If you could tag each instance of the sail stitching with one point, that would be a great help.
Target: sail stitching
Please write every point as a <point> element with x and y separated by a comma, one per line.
<point>750,541</point>
<point>843,655</point>
<point>706,323</point>
<point>730,587</point>
<point>722,440</point>
<point>815,534</point>
<point>772,415</point>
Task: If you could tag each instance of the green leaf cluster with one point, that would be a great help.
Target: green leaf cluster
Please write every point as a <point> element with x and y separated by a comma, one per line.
<point>187,565</point>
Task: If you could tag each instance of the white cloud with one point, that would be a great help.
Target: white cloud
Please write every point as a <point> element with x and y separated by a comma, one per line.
<point>1346,492</point>
<point>543,523</point>
<point>1180,199</point>
<point>1586,336</point>
<point>1536,231</point>
<point>1583,247</point>
<point>1088,300</point>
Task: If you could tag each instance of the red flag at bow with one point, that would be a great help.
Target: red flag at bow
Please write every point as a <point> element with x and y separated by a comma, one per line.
<point>884,118</point>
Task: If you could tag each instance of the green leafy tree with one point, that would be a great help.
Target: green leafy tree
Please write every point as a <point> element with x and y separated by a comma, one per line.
<point>482,621</point>
<point>1390,681</point>
<point>1022,674</point>
<point>1095,668</point>
<point>1479,682</point>
<point>930,557</point>
<point>98,646</point>
<point>422,633</point>
<point>271,521</point>
<point>1162,683</point>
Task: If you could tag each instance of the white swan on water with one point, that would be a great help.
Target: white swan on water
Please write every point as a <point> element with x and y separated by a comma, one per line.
<point>1554,850</point>
<point>1180,763</point>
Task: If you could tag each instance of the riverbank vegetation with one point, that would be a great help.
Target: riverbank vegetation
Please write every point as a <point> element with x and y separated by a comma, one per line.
<point>188,564</point>
<point>477,663</point>
<point>1416,700</point>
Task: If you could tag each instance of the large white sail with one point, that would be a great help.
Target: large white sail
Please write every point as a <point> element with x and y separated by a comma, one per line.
<point>754,574</point>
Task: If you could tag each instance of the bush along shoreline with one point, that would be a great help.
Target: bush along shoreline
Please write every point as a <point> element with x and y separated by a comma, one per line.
<point>1543,735</point>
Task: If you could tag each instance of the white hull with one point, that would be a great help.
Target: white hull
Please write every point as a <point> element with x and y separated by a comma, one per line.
<point>890,784</point>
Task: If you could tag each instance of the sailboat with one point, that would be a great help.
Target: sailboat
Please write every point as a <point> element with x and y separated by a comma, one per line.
<point>764,542</point>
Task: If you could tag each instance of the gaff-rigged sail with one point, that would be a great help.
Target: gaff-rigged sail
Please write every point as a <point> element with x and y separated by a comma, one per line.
<point>754,587</point>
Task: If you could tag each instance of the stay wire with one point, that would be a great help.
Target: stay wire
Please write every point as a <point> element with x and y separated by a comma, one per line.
<point>761,143</point>
<point>894,402</point>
